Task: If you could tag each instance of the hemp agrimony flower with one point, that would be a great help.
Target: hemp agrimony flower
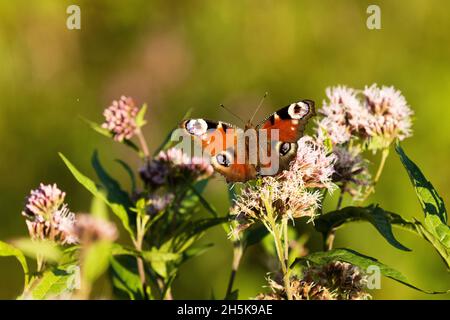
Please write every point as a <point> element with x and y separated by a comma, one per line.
<point>47,217</point>
<point>333,281</point>
<point>390,115</point>
<point>350,171</point>
<point>120,118</point>
<point>172,167</point>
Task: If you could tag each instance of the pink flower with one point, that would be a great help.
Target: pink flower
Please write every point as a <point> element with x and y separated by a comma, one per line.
<point>313,164</point>
<point>88,228</point>
<point>173,166</point>
<point>121,118</point>
<point>47,217</point>
<point>390,115</point>
<point>376,116</point>
<point>343,115</point>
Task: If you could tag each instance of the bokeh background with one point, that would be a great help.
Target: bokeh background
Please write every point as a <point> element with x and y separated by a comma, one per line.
<point>177,55</point>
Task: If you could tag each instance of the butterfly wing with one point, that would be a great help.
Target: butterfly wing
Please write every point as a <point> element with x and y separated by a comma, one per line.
<point>219,141</point>
<point>290,123</point>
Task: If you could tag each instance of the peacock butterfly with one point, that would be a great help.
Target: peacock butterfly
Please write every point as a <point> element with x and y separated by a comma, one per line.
<point>263,150</point>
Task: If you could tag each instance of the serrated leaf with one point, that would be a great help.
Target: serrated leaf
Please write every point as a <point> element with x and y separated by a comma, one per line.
<point>359,260</point>
<point>7,250</point>
<point>435,221</point>
<point>379,218</point>
<point>432,204</point>
<point>117,208</point>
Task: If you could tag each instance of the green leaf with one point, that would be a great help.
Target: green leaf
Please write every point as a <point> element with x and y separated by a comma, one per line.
<point>359,260</point>
<point>126,280</point>
<point>196,251</point>
<point>115,193</point>
<point>158,260</point>
<point>380,219</point>
<point>99,208</point>
<point>434,228</point>
<point>54,283</point>
<point>130,173</point>
<point>254,235</point>
<point>49,250</point>
<point>204,202</point>
<point>155,255</point>
<point>7,250</point>
<point>120,250</point>
<point>96,260</point>
<point>118,209</point>
<point>140,117</point>
<point>432,204</point>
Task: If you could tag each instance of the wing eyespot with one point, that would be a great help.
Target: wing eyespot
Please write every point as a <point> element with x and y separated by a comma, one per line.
<point>224,159</point>
<point>196,127</point>
<point>298,110</point>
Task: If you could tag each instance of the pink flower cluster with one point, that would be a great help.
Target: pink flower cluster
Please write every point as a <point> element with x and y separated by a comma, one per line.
<point>47,216</point>
<point>173,166</point>
<point>295,192</point>
<point>374,113</point>
<point>121,118</point>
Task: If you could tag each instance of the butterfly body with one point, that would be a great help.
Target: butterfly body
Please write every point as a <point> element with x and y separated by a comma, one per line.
<point>265,149</point>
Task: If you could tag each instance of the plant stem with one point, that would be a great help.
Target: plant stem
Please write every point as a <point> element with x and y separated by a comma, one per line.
<point>331,235</point>
<point>275,230</point>
<point>238,251</point>
<point>140,233</point>
<point>384,155</point>
<point>40,262</point>
<point>371,189</point>
<point>143,143</point>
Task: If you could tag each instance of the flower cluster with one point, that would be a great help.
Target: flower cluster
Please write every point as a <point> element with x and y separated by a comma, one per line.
<point>313,165</point>
<point>120,118</point>
<point>351,171</point>
<point>380,114</point>
<point>174,167</point>
<point>292,194</point>
<point>47,217</point>
<point>344,280</point>
<point>300,289</point>
<point>334,281</point>
<point>390,115</point>
<point>357,120</point>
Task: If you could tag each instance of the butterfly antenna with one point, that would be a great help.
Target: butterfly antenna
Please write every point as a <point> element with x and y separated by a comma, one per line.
<point>259,106</point>
<point>232,113</point>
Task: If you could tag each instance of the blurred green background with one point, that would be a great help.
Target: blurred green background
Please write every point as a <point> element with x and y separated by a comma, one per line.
<point>177,55</point>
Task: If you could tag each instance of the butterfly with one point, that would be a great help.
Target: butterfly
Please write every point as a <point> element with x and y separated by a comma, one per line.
<point>262,150</point>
